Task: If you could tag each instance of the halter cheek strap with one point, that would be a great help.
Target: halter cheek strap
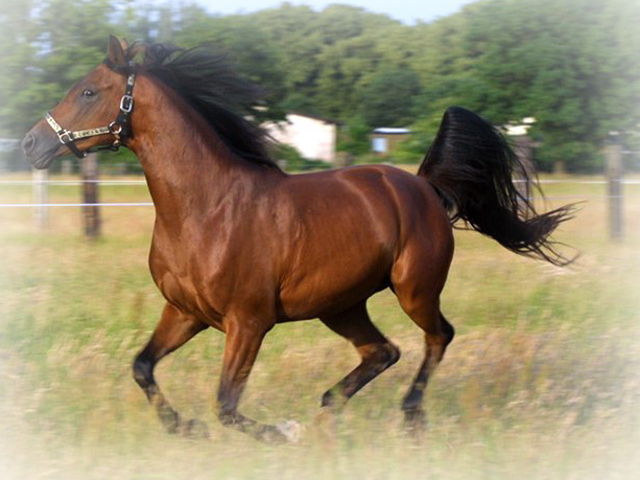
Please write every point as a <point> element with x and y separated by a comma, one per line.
<point>126,107</point>
<point>119,128</point>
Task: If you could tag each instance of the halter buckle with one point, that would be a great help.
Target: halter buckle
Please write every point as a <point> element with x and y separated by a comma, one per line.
<point>126,103</point>
<point>69,137</point>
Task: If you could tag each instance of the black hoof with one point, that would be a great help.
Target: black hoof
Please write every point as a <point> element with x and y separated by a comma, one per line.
<point>415,422</point>
<point>194,429</point>
<point>288,432</point>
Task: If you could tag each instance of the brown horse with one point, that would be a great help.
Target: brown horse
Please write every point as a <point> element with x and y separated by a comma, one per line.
<point>238,245</point>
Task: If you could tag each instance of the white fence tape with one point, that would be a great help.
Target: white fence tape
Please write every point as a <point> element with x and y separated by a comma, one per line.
<point>143,182</point>
<point>149,204</point>
<point>42,205</point>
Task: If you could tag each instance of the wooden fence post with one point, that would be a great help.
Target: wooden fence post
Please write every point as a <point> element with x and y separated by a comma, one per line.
<point>40,193</point>
<point>91,210</point>
<point>614,176</point>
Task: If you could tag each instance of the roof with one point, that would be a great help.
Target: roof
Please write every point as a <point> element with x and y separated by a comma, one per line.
<point>392,131</point>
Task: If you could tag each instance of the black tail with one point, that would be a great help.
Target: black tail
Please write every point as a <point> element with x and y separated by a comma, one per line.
<point>473,169</point>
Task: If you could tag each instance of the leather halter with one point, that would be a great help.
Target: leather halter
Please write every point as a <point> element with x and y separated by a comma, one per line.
<point>119,128</point>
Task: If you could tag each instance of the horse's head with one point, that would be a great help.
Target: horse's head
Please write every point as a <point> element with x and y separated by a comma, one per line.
<point>93,115</point>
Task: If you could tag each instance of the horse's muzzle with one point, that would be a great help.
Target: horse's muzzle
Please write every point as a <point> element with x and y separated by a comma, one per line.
<point>39,149</point>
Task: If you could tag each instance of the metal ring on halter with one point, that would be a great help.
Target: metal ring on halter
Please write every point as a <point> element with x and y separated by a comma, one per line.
<point>115,128</point>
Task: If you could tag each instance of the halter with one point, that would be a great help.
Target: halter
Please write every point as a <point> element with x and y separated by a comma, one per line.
<point>119,128</point>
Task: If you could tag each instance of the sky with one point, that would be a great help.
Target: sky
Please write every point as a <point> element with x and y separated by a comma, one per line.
<point>407,11</point>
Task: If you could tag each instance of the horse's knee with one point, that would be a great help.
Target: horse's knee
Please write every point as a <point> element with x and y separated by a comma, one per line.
<point>143,370</point>
<point>448,331</point>
<point>380,356</point>
<point>390,355</point>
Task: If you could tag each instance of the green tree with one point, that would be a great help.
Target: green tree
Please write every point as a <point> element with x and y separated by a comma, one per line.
<point>345,66</point>
<point>563,63</point>
<point>572,64</point>
<point>354,136</point>
<point>247,49</point>
<point>18,33</point>
<point>45,51</point>
<point>387,101</point>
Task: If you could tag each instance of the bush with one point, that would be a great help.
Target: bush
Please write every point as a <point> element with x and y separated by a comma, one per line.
<point>354,137</point>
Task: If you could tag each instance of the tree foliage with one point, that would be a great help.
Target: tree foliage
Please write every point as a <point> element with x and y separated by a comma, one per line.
<point>571,64</point>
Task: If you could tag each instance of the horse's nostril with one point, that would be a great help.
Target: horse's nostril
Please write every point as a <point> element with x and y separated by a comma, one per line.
<point>28,143</point>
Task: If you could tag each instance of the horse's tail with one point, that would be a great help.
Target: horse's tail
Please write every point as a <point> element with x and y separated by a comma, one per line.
<point>473,169</point>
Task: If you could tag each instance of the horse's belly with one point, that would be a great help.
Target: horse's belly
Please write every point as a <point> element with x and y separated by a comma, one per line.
<point>331,290</point>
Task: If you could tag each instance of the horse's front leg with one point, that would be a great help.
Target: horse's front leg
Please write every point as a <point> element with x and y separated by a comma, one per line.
<point>174,330</point>
<point>243,341</point>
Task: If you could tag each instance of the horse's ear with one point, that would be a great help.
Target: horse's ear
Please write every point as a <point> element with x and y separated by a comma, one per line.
<point>115,52</point>
<point>136,50</point>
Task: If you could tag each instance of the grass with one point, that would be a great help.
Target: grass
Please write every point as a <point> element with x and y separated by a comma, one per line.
<point>541,382</point>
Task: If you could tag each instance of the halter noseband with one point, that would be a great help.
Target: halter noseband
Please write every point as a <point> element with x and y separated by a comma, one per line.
<point>119,128</point>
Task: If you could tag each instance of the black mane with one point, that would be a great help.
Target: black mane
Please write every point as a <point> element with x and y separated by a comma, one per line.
<point>216,92</point>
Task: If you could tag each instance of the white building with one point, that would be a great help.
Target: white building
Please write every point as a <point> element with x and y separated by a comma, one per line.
<point>385,140</point>
<point>313,137</point>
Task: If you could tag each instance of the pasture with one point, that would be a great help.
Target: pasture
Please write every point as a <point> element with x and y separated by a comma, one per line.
<point>541,381</point>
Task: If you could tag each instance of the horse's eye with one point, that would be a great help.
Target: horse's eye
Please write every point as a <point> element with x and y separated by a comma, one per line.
<point>88,93</point>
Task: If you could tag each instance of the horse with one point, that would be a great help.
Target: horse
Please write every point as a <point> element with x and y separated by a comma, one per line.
<point>239,245</point>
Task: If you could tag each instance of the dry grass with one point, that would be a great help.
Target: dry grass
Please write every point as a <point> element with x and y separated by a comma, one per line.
<point>541,382</point>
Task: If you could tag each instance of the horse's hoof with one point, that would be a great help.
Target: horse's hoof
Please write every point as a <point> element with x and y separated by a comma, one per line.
<point>291,430</point>
<point>415,422</point>
<point>327,420</point>
<point>195,429</point>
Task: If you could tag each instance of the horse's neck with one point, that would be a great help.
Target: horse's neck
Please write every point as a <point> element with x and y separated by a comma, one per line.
<point>188,169</point>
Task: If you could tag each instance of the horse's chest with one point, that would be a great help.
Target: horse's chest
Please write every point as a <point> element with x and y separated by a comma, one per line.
<point>182,283</point>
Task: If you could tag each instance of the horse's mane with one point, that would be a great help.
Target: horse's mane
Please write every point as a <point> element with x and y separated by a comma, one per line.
<point>222,97</point>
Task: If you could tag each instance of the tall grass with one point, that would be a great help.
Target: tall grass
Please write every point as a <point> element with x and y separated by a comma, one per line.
<point>541,381</point>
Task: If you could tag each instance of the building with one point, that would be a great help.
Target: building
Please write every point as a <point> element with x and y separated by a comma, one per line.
<point>522,143</point>
<point>385,140</point>
<point>314,137</point>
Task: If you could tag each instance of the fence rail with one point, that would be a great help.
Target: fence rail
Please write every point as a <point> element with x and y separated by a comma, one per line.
<point>150,204</point>
<point>143,182</point>
<point>72,183</point>
<point>41,205</point>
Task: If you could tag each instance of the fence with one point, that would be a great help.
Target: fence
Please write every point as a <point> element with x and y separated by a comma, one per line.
<point>41,205</point>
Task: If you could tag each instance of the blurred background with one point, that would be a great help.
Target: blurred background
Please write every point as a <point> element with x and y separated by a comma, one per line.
<point>542,380</point>
<point>570,66</point>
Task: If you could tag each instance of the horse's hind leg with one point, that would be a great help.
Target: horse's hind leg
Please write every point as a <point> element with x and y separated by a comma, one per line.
<point>417,282</point>
<point>376,352</point>
<point>173,331</point>
<point>438,334</point>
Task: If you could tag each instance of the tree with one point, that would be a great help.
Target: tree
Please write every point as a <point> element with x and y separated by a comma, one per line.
<point>542,59</point>
<point>387,100</point>
<point>248,50</point>
<point>47,50</point>
<point>571,64</point>
<point>354,137</point>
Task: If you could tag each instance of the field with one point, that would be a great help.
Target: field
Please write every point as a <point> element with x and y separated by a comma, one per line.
<point>541,382</point>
